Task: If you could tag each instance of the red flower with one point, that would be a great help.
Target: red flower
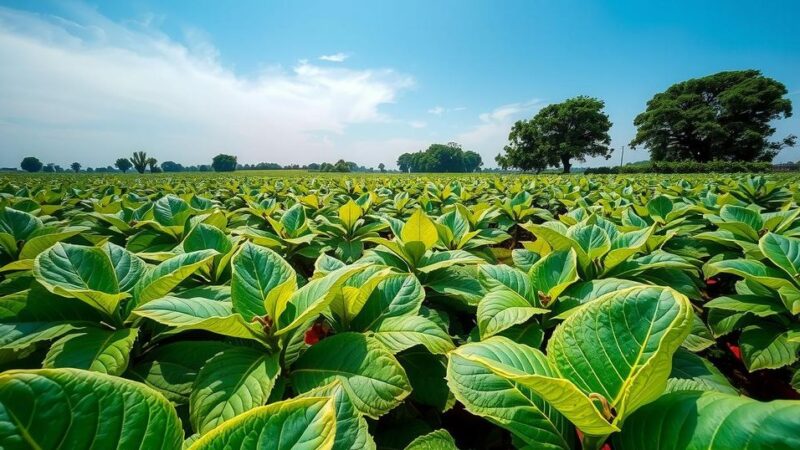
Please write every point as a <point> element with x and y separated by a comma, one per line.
<point>317,332</point>
<point>735,350</point>
<point>711,281</point>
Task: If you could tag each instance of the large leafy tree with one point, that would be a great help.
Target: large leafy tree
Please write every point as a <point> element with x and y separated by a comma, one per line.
<point>224,163</point>
<point>123,164</point>
<point>559,133</point>
<point>31,164</point>
<point>139,161</point>
<point>440,158</point>
<point>725,116</point>
<point>76,167</point>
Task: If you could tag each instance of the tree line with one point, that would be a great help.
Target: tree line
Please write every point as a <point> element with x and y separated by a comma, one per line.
<point>448,157</point>
<point>726,116</point>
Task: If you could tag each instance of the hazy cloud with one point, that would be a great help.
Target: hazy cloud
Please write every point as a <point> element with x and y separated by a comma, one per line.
<point>336,57</point>
<point>90,89</point>
<point>490,134</point>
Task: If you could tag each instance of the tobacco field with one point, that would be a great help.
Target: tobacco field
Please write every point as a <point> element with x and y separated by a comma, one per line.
<point>311,312</point>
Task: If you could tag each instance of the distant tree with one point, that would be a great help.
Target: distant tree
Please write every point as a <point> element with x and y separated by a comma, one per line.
<point>89,170</point>
<point>76,167</point>
<point>152,163</point>
<point>561,132</point>
<point>204,168</point>
<point>313,166</point>
<point>139,161</point>
<point>725,116</point>
<point>224,163</point>
<point>123,164</point>
<point>404,162</point>
<point>472,161</point>
<point>49,168</point>
<point>342,166</point>
<point>326,167</point>
<point>171,166</point>
<point>31,164</point>
<point>382,167</point>
<point>59,169</point>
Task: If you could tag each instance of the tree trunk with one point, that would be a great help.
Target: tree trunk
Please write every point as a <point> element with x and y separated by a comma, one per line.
<point>565,163</point>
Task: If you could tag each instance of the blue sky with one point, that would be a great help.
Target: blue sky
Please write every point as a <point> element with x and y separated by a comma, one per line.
<point>310,81</point>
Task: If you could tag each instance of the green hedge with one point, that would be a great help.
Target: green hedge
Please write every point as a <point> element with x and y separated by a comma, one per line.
<point>686,167</point>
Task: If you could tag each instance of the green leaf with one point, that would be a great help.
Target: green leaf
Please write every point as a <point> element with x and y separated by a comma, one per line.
<point>783,251</point>
<point>171,211</point>
<point>40,243</point>
<point>691,372</point>
<point>160,280</point>
<point>493,276</point>
<point>503,402</point>
<point>311,299</point>
<point>503,308</point>
<point>420,228</point>
<point>260,280</point>
<point>426,373</point>
<point>186,314</point>
<point>232,382</point>
<point>749,270</point>
<point>767,347</point>
<point>296,424</point>
<point>293,219</point>
<point>75,409</point>
<point>349,214</point>
<point>401,333</point>
<point>93,349</point>
<point>621,345</point>
<point>206,237</point>
<point>397,295</point>
<point>80,272</point>
<point>18,224</point>
<point>713,421</point>
<point>172,368</point>
<point>593,240</point>
<point>370,374</point>
<point>128,267</point>
<point>351,428</point>
<point>554,273</point>
<point>659,207</point>
<point>437,440</point>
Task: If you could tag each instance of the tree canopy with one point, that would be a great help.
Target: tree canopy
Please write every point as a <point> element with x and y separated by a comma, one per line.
<point>123,164</point>
<point>440,158</point>
<point>724,116</point>
<point>224,163</point>
<point>31,164</point>
<point>558,134</point>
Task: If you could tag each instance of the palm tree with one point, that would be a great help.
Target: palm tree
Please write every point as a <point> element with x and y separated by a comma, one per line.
<point>139,161</point>
<point>152,163</point>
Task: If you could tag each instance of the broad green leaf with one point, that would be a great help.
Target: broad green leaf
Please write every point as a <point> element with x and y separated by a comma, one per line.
<point>370,374</point>
<point>711,421</point>
<point>80,272</point>
<point>587,291</point>
<point>437,440</point>
<point>757,305</point>
<point>592,239</point>
<point>426,374</point>
<point>93,349</point>
<point>625,246</point>
<point>260,280</point>
<point>206,237</point>
<point>396,295</point>
<point>350,213</point>
<point>441,260</point>
<point>172,368</point>
<point>171,211</point>
<point>296,424</point>
<point>420,228</point>
<point>659,208</point>
<point>749,270</point>
<point>186,314</point>
<point>503,402</point>
<point>401,333</point>
<point>232,382</point>
<point>503,308</point>
<point>620,346</point>
<point>691,372</point>
<point>311,299</point>
<point>352,432</point>
<point>161,279</point>
<point>767,347</point>
<point>293,220</point>
<point>75,409</point>
<point>554,273</point>
<point>40,243</point>
<point>783,251</point>
<point>494,276</point>
<point>18,224</point>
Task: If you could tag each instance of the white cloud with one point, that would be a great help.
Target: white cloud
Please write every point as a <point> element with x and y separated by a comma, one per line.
<point>336,57</point>
<point>490,134</point>
<point>439,110</point>
<point>417,124</point>
<point>91,90</point>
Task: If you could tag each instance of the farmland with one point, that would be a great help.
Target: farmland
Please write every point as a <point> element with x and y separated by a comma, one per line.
<point>318,311</point>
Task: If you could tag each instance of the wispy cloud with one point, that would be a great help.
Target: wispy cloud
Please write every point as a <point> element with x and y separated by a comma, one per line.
<point>490,134</point>
<point>336,57</point>
<point>417,124</point>
<point>439,110</point>
<point>95,89</point>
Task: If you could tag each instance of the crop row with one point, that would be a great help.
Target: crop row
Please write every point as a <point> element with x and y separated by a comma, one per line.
<point>243,312</point>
